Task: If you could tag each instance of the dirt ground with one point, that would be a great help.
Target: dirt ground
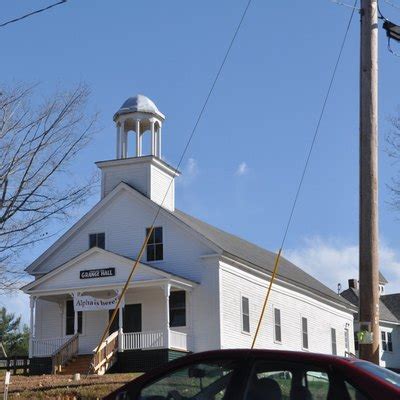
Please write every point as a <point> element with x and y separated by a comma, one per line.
<point>58,387</point>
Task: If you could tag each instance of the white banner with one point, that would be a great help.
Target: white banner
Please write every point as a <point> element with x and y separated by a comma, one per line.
<point>89,303</point>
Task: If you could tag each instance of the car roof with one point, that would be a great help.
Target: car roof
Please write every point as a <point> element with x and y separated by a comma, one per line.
<point>275,355</point>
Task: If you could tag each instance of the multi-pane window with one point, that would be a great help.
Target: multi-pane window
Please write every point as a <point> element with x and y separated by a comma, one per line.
<point>277,324</point>
<point>155,249</point>
<point>333,341</point>
<point>177,308</point>
<point>245,315</point>
<point>387,344</point>
<point>346,340</point>
<point>97,240</point>
<point>304,331</point>
<point>356,341</point>
<point>70,319</point>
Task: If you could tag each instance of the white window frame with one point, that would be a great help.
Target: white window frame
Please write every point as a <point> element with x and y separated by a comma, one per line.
<point>242,314</point>
<point>276,325</point>
<point>334,342</point>
<point>346,340</point>
<point>162,243</point>
<point>302,333</point>
<point>386,341</point>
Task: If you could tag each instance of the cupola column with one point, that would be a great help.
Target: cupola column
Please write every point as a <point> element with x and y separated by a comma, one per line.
<point>138,139</point>
<point>118,141</point>
<point>153,138</point>
<point>124,140</point>
<point>159,141</point>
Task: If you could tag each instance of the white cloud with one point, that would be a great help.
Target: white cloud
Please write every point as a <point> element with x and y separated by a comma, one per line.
<point>242,169</point>
<point>332,261</point>
<point>190,172</point>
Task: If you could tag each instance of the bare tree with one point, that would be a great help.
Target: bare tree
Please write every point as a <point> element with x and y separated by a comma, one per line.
<point>38,142</point>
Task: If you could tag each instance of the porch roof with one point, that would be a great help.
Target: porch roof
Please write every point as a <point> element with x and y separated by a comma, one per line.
<point>65,278</point>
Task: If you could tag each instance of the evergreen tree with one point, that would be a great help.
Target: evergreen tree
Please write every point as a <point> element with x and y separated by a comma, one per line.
<point>15,340</point>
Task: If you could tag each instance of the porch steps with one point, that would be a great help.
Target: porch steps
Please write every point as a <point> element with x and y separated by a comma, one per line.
<point>79,364</point>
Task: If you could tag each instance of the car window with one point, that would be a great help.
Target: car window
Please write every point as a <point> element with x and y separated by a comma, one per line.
<point>354,394</point>
<point>295,381</point>
<point>381,373</point>
<point>199,381</point>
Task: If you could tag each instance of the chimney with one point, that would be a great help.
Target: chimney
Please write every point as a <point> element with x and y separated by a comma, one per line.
<point>353,284</point>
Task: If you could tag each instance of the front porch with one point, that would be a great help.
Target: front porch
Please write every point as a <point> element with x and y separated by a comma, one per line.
<point>157,339</point>
<point>71,308</point>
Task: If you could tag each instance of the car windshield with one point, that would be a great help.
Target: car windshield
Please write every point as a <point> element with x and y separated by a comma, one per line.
<point>380,372</point>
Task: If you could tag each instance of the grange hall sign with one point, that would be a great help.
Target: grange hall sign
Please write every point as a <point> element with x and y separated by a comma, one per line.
<point>97,273</point>
<point>90,303</point>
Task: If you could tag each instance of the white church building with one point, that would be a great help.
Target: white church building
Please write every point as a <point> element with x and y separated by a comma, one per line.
<point>196,287</point>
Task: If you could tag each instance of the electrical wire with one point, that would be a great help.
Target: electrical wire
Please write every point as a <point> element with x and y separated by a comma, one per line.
<point>300,184</point>
<point>2,25</point>
<point>159,208</point>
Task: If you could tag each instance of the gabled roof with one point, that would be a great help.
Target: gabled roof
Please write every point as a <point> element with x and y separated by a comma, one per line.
<point>226,243</point>
<point>248,252</point>
<point>127,260</point>
<point>385,312</point>
<point>392,302</point>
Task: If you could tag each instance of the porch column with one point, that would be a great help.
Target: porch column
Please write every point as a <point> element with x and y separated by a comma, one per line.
<point>75,315</point>
<point>32,332</point>
<point>121,325</point>
<point>167,291</point>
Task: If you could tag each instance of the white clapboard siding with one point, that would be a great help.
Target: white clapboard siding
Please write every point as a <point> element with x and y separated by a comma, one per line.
<point>162,190</point>
<point>390,359</point>
<point>124,221</point>
<point>321,317</point>
<point>49,322</point>
<point>136,175</point>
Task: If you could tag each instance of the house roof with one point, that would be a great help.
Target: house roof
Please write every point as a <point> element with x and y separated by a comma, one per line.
<point>94,250</point>
<point>243,250</point>
<point>392,302</point>
<point>382,279</point>
<point>386,312</point>
<point>229,245</point>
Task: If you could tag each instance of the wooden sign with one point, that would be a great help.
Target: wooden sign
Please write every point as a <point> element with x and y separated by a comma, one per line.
<point>97,273</point>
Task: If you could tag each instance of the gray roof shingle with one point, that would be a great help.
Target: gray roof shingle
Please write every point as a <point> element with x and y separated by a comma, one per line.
<point>386,312</point>
<point>264,259</point>
<point>392,302</point>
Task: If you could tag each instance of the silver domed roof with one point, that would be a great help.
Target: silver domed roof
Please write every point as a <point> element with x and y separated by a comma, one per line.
<point>138,103</point>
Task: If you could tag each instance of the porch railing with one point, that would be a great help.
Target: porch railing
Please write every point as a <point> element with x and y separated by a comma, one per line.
<point>143,340</point>
<point>65,353</point>
<point>154,340</point>
<point>178,340</point>
<point>46,347</point>
<point>106,355</point>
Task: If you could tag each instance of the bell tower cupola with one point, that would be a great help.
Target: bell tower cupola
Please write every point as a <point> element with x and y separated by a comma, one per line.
<point>135,164</point>
<point>139,115</point>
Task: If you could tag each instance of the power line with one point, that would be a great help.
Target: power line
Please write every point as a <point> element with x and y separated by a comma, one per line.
<point>194,129</point>
<point>2,25</point>
<point>296,197</point>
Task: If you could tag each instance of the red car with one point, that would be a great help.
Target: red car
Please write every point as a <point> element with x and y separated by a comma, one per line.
<point>263,375</point>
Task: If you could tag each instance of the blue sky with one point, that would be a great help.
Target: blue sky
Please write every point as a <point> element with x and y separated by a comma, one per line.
<point>243,166</point>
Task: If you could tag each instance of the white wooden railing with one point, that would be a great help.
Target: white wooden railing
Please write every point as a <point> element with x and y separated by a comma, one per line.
<point>106,355</point>
<point>178,340</point>
<point>143,340</point>
<point>47,347</point>
<point>65,353</point>
<point>154,340</point>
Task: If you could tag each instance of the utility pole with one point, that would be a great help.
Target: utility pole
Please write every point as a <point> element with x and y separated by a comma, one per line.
<point>368,261</point>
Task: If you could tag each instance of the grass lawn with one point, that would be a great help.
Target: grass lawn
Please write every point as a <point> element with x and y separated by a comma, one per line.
<point>59,387</point>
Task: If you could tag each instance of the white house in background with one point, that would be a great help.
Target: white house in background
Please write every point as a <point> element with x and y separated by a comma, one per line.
<point>196,287</point>
<point>389,323</point>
